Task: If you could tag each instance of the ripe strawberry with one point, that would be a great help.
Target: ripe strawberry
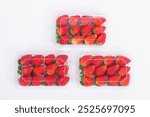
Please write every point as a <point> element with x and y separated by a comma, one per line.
<point>62,20</point>
<point>101,81</point>
<point>49,59</point>
<point>124,81</point>
<point>64,39</point>
<point>97,60</point>
<point>109,60</point>
<point>123,70</point>
<point>86,30</point>
<point>90,39</point>
<point>77,39</point>
<point>100,71</point>
<point>99,30</point>
<point>51,69</point>
<point>112,70</point>
<point>39,70</point>
<point>26,71</point>
<point>25,80</point>
<point>114,80</point>
<point>98,21</point>
<point>38,60</point>
<point>61,59</point>
<point>75,30</point>
<point>88,71</point>
<point>37,80</point>
<point>86,20</point>
<point>122,60</point>
<point>101,39</point>
<point>85,60</point>
<point>62,70</point>
<point>25,60</point>
<point>87,81</point>
<point>74,20</point>
<point>51,80</point>
<point>63,30</point>
<point>62,81</point>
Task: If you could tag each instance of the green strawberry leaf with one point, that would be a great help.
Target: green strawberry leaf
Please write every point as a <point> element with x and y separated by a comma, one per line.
<point>81,83</point>
<point>19,62</point>
<point>19,72</point>
<point>82,75</point>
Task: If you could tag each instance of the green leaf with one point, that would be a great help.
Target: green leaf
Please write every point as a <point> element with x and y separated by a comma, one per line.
<point>81,83</point>
<point>19,72</point>
<point>19,62</point>
<point>19,67</point>
<point>82,75</point>
<point>44,84</point>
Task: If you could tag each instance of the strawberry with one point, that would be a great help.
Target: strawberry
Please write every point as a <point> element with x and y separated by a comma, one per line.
<point>74,20</point>
<point>99,30</point>
<point>86,20</point>
<point>61,59</point>
<point>87,81</point>
<point>109,60</point>
<point>122,60</point>
<point>101,81</point>
<point>77,39</point>
<point>62,81</point>
<point>112,70</point>
<point>51,69</point>
<point>37,80</point>
<point>88,71</point>
<point>98,21</point>
<point>114,80</point>
<point>75,30</point>
<point>38,60</point>
<point>85,60</point>
<point>123,70</point>
<point>64,39</point>
<point>86,30</point>
<point>101,39</point>
<point>26,71</point>
<point>63,30</point>
<point>62,20</point>
<point>51,80</point>
<point>62,70</point>
<point>100,71</point>
<point>124,81</point>
<point>39,70</point>
<point>25,80</point>
<point>97,60</point>
<point>90,39</point>
<point>49,59</point>
<point>25,60</point>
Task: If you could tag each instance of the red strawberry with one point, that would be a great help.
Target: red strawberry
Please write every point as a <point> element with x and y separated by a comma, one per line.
<point>98,21</point>
<point>97,60</point>
<point>49,59</point>
<point>99,29</point>
<point>124,81</point>
<point>62,20</point>
<point>74,20</point>
<point>38,60</point>
<point>25,60</point>
<point>109,60</point>
<point>87,30</point>
<point>75,30</point>
<point>114,80</point>
<point>87,81</point>
<point>112,70</point>
<point>25,80</point>
<point>100,71</point>
<point>86,20</point>
<point>77,39</point>
<point>62,70</point>
<point>64,39</point>
<point>62,81</point>
<point>51,69</point>
<point>63,30</point>
<point>88,71</point>
<point>122,60</point>
<point>101,39</point>
<point>37,80</point>
<point>61,59</point>
<point>26,71</point>
<point>123,70</point>
<point>101,81</point>
<point>39,70</point>
<point>90,39</point>
<point>85,60</point>
<point>51,80</point>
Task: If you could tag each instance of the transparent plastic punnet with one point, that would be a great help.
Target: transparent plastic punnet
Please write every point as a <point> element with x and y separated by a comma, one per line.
<point>39,70</point>
<point>80,30</point>
<point>104,70</point>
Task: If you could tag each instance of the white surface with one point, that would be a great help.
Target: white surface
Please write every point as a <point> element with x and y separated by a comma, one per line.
<point>28,27</point>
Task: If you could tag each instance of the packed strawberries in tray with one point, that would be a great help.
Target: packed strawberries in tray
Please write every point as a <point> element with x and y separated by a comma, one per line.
<point>77,29</point>
<point>104,70</point>
<point>43,70</point>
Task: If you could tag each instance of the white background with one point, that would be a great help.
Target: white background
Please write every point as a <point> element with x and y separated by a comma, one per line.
<point>28,26</point>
